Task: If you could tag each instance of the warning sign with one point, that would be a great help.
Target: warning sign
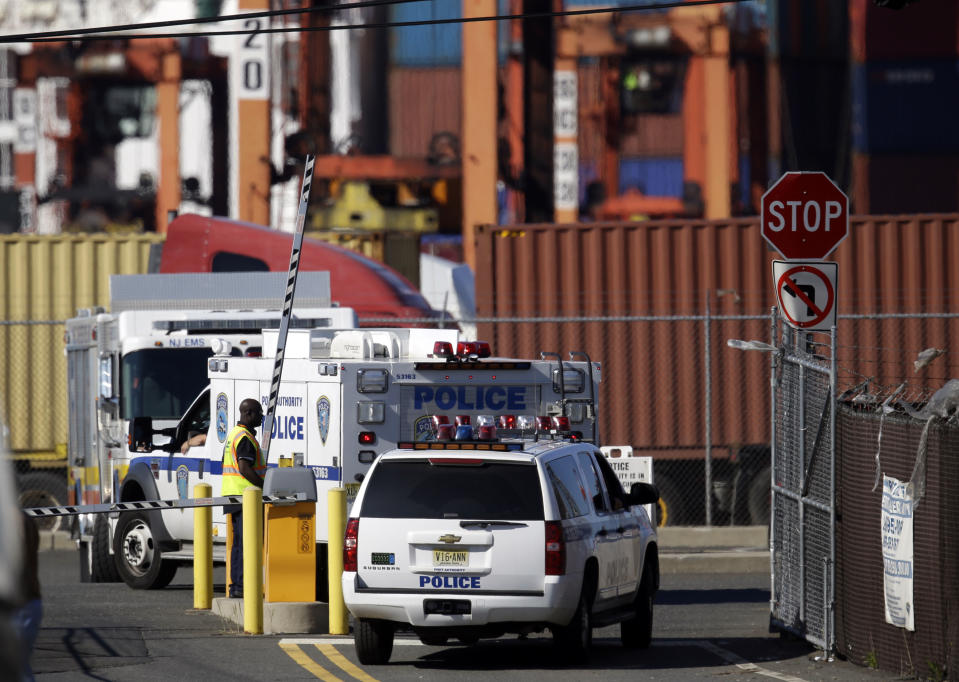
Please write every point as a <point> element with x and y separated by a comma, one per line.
<point>897,553</point>
<point>806,292</point>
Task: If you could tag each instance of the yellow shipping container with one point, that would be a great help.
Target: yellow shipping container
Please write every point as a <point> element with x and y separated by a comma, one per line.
<point>45,279</point>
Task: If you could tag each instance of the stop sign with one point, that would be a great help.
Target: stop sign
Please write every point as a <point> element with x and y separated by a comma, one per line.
<point>805,215</point>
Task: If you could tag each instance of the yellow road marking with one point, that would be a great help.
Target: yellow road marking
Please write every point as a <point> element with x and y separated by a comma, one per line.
<point>343,663</point>
<point>307,663</point>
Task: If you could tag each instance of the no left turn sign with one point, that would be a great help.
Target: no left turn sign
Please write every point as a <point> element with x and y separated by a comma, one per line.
<point>806,292</point>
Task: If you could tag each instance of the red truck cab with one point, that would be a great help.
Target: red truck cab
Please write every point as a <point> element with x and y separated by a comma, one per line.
<point>375,291</point>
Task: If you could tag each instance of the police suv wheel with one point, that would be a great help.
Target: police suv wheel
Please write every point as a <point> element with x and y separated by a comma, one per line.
<point>373,640</point>
<point>637,633</point>
<point>576,638</point>
<point>138,557</point>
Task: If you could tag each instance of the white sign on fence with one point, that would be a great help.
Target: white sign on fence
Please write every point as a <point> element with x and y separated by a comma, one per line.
<point>630,469</point>
<point>897,554</point>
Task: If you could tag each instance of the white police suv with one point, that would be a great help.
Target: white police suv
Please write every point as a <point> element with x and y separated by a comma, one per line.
<point>477,539</point>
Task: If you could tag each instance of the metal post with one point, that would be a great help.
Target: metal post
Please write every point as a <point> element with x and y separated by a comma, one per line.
<point>833,370</point>
<point>202,550</point>
<point>707,396</point>
<point>801,460</point>
<point>253,561</point>
<point>336,512</point>
<point>772,465</point>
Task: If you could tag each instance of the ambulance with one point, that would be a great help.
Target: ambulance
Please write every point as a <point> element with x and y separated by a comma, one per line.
<point>345,397</point>
<point>146,359</point>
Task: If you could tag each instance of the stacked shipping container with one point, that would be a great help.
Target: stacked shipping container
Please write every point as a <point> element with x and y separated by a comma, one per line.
<point>905,92</point>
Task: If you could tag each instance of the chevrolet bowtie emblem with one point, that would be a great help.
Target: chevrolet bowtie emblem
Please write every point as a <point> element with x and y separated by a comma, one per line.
<point>449,539</point>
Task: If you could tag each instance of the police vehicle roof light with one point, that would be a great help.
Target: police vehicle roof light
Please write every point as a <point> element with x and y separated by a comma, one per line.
<point>524,422</point>
<point>543,423</point>
<point>444,432</point>
<point>462,420</point>
<point>561,423</point>
<point>463,445</point>
<point>463,432</point>
<point>440,419</point>
<point>507,421</point>
<point>486,432</point>
<point>480,349</point>
<point>442,349</point>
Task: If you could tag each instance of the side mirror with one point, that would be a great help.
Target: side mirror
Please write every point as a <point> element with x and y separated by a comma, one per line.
<point>106,388</point>
<point>643,493</point>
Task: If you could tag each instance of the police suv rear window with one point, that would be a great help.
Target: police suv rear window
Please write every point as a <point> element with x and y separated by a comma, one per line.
<point>481,490</point>
<point>568,487</point>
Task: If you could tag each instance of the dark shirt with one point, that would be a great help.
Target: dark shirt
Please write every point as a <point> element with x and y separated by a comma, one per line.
<point>246,450</point>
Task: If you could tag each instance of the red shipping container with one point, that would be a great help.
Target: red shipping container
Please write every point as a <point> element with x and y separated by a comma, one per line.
<point>922,30</point>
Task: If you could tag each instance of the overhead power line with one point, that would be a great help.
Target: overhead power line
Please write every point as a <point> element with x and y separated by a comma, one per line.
<point>117,32</point>
<point>71,34</point>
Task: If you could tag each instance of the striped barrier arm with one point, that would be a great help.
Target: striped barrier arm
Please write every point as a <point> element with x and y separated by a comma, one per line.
<point>152,505</point>
<point>287,303</point>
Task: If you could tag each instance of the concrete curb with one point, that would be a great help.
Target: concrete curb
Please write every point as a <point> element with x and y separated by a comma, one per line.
<point>56,539</point>
<point>718,537</point>
<point>280,618</point>
<point>737,561</point>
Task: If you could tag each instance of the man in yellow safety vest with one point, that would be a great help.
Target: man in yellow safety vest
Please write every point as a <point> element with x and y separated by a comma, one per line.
<point>243,466</point>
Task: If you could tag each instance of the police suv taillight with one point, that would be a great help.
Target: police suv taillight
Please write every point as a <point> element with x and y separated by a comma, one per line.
<point>555,549</point>
<point>350,542</point>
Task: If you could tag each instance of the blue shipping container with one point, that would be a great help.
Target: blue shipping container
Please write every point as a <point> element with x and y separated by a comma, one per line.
<point>426,45</point>
<point>905,107</point>
<point>436,44</point>
<point>653,176</point>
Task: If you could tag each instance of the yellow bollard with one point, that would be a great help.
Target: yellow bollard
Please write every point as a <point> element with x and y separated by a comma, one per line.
<point>253,561</point>
<point>202,550</point>
<point>336,510</point>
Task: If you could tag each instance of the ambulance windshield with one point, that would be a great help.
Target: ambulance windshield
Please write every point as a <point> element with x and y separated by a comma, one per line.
<point>162,382</point>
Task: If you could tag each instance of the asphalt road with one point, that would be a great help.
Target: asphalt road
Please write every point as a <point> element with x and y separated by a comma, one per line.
<point>707,626</point>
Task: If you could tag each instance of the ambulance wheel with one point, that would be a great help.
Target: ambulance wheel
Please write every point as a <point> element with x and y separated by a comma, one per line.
<point>103,569</point>
<point>43,489</point>
<point>137,554</point>
<point>373,640</point>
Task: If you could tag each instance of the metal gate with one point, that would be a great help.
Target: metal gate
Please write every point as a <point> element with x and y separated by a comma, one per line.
<point>803,513</point>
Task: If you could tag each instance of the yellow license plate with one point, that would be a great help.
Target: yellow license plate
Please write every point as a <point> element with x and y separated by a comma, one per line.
<point>451,557</point>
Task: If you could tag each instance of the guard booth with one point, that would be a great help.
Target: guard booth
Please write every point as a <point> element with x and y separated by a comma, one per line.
<point>289,546</point>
